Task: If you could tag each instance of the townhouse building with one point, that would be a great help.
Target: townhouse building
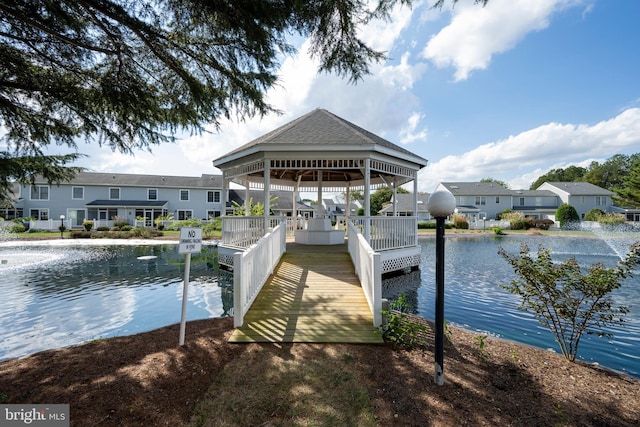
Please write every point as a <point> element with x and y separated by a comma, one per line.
<point>485,200</point>
<point>141,199</point>
<point>583,196</point>
<point>132,198</point>
<point>404,206</point>
<point>479,200</point>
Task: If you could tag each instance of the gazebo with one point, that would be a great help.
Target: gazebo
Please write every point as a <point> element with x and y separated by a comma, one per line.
<point>321,152</point>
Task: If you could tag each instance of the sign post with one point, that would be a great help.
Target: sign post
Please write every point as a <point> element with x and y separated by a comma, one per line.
<point>190,242</point>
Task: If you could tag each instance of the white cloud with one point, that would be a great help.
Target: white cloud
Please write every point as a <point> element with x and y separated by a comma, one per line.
<point>381,35</point>
<point>409,133</point>
<point>381,103</point>
<point>539,148</point>
<point>476,33</point>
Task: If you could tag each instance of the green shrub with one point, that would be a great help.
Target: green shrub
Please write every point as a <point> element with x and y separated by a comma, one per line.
<point>567,215</point>
<point>145,233</point>
<point>18,228</point>
<point>541,224</point>
<point>102,228</point>
<point>426,225</point>
<point>185,223</point>
<point>88,225</point>
<point>568,299</point>
<point>80,234</point>
<point>501,214</point>
<point>518,224</point>
<point>399,329</point>
<point>516,219</point>
<point>612,220</point>
<point>209,230</point>
<point>460,222</point>
<point>126,227</point>
<point>593,214</point>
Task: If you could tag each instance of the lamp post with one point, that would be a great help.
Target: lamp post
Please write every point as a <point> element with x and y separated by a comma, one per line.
<point>440,204</point>
<point>62,226</point>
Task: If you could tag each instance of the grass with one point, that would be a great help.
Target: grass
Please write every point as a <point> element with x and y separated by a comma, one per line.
<point>304,390</point>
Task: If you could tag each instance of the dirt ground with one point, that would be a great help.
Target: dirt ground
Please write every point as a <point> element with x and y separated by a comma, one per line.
<point>148,380</point>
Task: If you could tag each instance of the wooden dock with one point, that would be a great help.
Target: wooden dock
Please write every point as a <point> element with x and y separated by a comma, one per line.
<point>315,296</point>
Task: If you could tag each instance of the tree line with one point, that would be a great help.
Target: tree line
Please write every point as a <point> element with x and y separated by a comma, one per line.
<point>619,173</point>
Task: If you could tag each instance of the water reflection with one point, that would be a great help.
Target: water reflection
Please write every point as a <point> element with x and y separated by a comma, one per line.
<point>476,301</point>
<point>56,297</point>
<point>60,296</point>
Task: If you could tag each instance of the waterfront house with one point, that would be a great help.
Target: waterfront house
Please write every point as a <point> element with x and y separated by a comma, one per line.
<point>132,198</point>
<point>479,200</point>
<point>402,205</point>
<point>538,204</point>
<point>583,196</point>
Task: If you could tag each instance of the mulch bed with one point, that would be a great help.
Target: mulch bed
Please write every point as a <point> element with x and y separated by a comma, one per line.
<point>148,380</point>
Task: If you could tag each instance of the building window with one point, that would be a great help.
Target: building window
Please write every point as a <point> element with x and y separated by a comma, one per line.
<point>213,197</point>
<point>498,199</point>
<point>39,214</point>
<point>481,200</point>
<point>601,201</point>
<point>213,214</point>
<point>114,194</point>
<point>521,201</point>
<point>152,194</point>
<point>184,214</point>
<point>184,195</point>
<point>538,201</point>
<point>39,192</point>
<point>77,193</point>
<point>583,200</point>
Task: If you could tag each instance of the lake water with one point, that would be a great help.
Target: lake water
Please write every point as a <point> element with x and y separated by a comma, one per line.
<point>60,296</point>
<point>475,300</point>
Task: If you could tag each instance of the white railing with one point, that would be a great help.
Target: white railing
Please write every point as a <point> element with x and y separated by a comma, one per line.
<point>389,232</point>
<point>49,224</point>
<point>102,223</point>
<point>252,268</point>
<point>368,267</point>
<point>244,231</point>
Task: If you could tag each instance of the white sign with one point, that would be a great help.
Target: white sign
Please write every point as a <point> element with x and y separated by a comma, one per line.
<point>190,240</point>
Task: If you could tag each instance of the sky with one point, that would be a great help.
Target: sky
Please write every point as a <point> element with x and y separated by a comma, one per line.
<point>508,91</point>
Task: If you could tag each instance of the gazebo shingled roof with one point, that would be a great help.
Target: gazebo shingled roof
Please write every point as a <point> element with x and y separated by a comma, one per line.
<point>320,147</point>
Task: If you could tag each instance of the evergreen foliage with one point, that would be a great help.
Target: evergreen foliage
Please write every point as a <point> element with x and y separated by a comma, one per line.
<point>570,174</point>
<point>129,75</point>
<point>619,174</point>
<point>630,193</point>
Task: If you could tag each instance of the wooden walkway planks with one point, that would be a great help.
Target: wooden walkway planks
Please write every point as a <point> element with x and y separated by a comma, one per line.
<point>314,295</point>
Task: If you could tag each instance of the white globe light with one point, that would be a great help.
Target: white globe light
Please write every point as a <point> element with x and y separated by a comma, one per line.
<point>441,204</point>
